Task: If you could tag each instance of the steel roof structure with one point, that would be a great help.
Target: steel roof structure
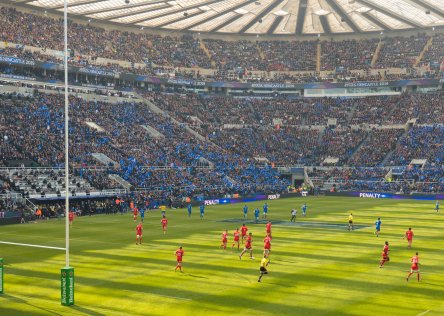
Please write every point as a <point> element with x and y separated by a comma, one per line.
<point>279,17</point>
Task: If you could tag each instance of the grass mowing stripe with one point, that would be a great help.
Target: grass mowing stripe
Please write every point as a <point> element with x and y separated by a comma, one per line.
<point>313,263</point>
<point>31,245</point>
<point>166,296</point>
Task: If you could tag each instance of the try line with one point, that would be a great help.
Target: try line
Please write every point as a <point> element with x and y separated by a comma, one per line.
<point>31,245</point>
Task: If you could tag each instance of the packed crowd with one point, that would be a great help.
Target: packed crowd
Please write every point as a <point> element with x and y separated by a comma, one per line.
<point>348,54</point>
<point>232,60</point>
<point>401,52</point>
<point>34,128</point>
<point>434,56</point>
<point>376,147</point>
<point>421,143</point>
<point>192,109</point>
<point>408,179</point>
<point>241,134</point>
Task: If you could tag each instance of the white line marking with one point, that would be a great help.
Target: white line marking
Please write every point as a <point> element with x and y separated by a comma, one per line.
<point>31,245</point>
<point>423,313</point>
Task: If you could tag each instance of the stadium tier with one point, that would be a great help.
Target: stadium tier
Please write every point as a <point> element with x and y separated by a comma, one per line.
<point>163,137</point>
<point>39,38</point>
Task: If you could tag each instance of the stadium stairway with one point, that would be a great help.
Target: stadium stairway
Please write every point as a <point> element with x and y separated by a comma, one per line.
<point>158,110</point>
<point>120,180</point>
<point>390,153</point>
<point>376,54</point>
<point>421,55</point>
<point>318,57</point>
<point>352,112</point>
<point>207,52</point>
<point>357,148</point>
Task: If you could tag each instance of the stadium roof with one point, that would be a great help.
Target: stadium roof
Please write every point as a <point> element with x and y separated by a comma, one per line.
<point>281,17</point>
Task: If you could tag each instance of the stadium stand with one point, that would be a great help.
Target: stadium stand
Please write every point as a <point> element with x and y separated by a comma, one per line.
<point>179,143</point>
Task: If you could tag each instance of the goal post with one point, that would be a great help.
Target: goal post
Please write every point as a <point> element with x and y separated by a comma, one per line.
<point>1,275</point>
<point>67,286</point>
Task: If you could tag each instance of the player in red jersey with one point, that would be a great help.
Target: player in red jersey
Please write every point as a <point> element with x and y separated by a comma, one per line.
<point>164,222</point>
<point>236,238</point>
<point>244,230</point>
<point>248,247</point>
<point>415,267</point>
<point>267,245</point>
<point>409,235</point>
<point>179,254</point>
<point>139,231</point>
<point>268,228</point>
<point>71,217</point>
<point>224,239</point>
<point>385,256</point>
<point>135,212</point>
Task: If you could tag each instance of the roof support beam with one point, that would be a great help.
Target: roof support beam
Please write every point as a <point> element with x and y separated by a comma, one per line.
<point>126,14</point>
<point>184,17</point>
<point>344,16</point>
<point>391,14</point>
<point>430,8</point>
<point>325,25</point>
<point>128,6</point>
<point>78,4</point>
<point>174,11</point>
<point>259,17</point>
<point>376,21</point>
<point>220,14</point>
<point>301,16</point>
<point>275,24</point>
<point>227,22</point>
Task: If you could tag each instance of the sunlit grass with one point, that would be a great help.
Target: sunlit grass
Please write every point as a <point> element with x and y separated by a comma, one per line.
<point>315,270</point>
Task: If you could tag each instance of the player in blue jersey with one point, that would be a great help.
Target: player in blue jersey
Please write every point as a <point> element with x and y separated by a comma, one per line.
<point>256,214</point>
<point>304,209</point>
<point>189,210</point>
<point>437,206</point>
<point>378,227</point>
<point>202,210</point>
<point>265,210</point>
<point>142,214</point>
<point>245,210</point>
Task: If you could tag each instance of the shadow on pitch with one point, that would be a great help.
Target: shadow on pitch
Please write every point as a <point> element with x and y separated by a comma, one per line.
<point>19,300</point>
<point>86,311</point>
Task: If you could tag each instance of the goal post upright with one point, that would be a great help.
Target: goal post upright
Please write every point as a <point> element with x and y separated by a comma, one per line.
<point>67,272</point>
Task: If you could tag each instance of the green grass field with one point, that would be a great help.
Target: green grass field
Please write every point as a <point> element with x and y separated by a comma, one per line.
<point>316,269</point>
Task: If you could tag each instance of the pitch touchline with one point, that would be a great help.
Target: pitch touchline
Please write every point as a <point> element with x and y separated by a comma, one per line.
<point>423,313</point>
<point>31,245</point>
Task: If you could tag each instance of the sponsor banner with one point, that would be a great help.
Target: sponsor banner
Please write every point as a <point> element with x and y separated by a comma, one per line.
<point>16,61</point>
<point>98,72</point>
<point>17,77</point>
<point>366,84</point>
<point>251,198</point>
<point>273,196</point>
<point>211,202</point>
<point>385,195</point>
<point>67,286</point>
<point>185,82</point>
